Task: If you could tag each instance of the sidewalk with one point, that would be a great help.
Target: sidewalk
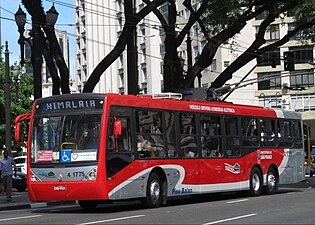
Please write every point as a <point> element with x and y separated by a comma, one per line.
<point>20,201</point>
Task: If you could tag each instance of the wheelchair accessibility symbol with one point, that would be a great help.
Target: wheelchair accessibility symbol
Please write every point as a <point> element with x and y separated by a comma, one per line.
<point>65,156</point>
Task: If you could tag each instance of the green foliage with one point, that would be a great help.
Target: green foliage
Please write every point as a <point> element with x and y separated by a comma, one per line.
<point>221,14</point>
<point>305,13</point>
<point>21,101</point>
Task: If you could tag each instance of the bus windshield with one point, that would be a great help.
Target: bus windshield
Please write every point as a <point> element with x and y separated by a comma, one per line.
<point>65,138</point>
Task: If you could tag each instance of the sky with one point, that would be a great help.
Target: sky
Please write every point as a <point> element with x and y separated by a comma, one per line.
<point>9,30</point>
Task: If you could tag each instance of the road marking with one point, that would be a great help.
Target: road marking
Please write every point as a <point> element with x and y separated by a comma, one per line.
<point>111,220</point>
<point>236,201</point>
<point>229,219</point>
<point>19,218</point>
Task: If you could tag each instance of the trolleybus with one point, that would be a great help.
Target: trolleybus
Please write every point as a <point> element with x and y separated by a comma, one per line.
<point>96,148</point>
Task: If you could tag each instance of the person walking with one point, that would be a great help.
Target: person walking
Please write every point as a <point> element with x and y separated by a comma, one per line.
<point>7,164</point>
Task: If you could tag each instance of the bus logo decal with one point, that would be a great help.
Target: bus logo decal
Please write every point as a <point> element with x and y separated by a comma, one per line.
<point>60,188</point>
<point>236,169</point>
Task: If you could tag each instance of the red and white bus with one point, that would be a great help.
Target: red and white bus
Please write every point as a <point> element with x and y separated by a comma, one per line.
<point>95,148</point>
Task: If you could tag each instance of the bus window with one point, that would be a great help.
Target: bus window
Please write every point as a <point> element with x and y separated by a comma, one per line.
<point>250,132</point>
<point>284,133</point>
<point>150,139</point>
<point>267,132</point>
<point>119,150</point>
<point>170,134</point>
<point>55,136</point>
<point>122,142</point>
<point>296,134</point>
<point>211,145</point>
<point>232,137</point>
<point>188,141</point>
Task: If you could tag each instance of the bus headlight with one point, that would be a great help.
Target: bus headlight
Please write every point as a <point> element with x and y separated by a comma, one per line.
<point>91,175</point>
<point>34,178</point>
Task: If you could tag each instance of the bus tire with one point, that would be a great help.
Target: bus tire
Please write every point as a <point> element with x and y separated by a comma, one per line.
<point>272,182</point>
<point>88,205</point>
<point>154,192</point>
<point>255,182</point>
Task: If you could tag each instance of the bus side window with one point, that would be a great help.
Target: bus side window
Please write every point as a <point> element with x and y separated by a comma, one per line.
<point>150,135</point>
<point>284,134</point>
<point>268,131</point>
<point>232,137</point>
<point>170,135</point>
<point>250,132</point>
<point>211,145</point>
<point>188,139</point>
<point>119,143</point>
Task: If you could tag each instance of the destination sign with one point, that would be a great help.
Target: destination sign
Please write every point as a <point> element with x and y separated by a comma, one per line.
<point>76,104</point>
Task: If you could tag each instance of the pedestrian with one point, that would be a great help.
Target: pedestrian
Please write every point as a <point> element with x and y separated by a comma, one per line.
<point>7,164</point>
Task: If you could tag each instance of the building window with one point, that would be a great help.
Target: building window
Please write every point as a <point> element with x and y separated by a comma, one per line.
<point>298,36</point>
<point>162,48</point>
<point>301,78</point>
<point>271,101</point>
<point>164,8</point>
<point>196,51</point>
<point>214,65</point>
<point>274,31</point>
<point>269,58</point>
<point>302,54</point>
<point>195,30</point>
<point>303,102</point>
<point>268,81</point>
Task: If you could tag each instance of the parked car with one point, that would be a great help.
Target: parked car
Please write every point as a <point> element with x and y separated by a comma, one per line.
<point>19,177</point>
<point>19,181</point>
<point>20,162</point>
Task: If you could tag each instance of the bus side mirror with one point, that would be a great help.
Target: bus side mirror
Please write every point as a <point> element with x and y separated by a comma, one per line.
<point>20,134</point>
<point>17,132</point>
<point>117,128</point>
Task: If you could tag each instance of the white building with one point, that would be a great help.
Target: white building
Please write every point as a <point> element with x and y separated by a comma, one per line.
<point>288,89</point>
<point>98,26</point>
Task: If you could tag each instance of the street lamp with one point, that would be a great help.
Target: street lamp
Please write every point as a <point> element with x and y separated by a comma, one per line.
<point>20,19</point>
<point>16,72</point>
<point>36,57</point>
<point>52,16</point>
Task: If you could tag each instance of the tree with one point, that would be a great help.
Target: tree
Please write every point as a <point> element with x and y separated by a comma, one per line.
<point>50,47</point>
<point>21,101</point>
<point>220,20</point>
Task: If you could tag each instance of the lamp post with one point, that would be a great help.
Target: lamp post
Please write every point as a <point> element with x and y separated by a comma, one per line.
<point>36,56</point>
<point>7,94</point>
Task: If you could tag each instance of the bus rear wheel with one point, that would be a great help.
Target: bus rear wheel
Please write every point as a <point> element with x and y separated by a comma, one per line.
<point>255,182</point>
<point>154,193</point>
<point>88,205</point>
<point>272,182</point>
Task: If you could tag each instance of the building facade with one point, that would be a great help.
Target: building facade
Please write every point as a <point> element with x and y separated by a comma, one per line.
<point>286,75</point>
<point>98,26</point>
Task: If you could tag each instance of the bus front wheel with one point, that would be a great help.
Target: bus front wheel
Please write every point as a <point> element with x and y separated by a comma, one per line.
<point>154,193</point>
<point>88,205</point>
<point>255,182</point>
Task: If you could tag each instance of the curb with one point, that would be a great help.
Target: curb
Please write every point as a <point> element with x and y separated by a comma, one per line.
<point>32,205</point>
